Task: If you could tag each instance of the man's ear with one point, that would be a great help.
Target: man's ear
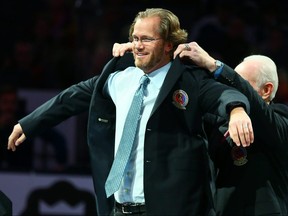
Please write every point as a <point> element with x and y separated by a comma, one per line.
<point>168,47</point>
<point>267,90</point>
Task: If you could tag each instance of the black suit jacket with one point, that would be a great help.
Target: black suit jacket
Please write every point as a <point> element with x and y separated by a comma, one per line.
<point>259,186</point>
<point>176,169</point>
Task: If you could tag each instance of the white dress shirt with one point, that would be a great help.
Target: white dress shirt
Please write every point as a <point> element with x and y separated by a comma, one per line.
<point>122,87</point>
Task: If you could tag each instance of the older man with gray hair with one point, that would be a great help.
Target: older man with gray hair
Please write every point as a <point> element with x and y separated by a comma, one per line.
<point>250,180</point>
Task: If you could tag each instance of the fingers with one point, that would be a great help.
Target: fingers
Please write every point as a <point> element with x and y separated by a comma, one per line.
<point>195,54</point>
<point>233,132</point>
<point>120,49</point>
<point>182,50</point>
<point>12,142</point>
<point>242,134</point>
<point>20,140</point>
<point>177,51</point>
<point>116,50</point>
<point>250,133</point>
<point>246,135</point>
<point>16,138</point>
<point>240,127</point>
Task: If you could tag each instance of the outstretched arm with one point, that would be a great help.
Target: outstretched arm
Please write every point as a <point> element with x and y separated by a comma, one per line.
<point>70,102</point>
<point>240,127</point>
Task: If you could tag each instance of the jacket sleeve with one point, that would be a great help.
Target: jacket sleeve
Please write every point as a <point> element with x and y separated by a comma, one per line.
<point>264,118</point>
<point>71,101</point>
<point>219,99</point>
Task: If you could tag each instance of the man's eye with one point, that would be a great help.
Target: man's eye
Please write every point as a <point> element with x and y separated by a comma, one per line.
<point>146,40</point>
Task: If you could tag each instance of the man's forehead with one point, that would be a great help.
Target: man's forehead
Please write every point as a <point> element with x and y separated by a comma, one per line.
<point>150,24</point>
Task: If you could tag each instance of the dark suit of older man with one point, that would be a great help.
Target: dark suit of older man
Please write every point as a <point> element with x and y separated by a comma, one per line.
<point>252,180</point>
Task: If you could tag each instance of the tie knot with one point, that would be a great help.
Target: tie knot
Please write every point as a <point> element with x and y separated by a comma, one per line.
<point>144,80</point>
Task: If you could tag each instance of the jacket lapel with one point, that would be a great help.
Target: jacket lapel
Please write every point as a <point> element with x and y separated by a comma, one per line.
<point>175,71</point>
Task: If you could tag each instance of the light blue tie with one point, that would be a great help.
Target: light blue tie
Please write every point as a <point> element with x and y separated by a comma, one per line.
<point>126,143</point>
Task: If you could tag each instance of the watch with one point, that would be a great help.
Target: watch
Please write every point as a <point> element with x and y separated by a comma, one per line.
<point>218,70</point>
<point>218,64</point>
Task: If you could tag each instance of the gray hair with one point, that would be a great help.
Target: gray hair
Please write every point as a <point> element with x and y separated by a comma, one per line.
<point>267,72</point>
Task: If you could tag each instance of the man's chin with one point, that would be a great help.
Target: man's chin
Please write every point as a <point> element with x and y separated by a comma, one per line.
<point>139,63</point>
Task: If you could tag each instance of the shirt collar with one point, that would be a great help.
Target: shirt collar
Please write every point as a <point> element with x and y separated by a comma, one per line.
<point>157,77</point>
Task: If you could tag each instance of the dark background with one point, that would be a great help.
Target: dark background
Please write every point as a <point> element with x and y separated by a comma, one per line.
<point>52,44</point>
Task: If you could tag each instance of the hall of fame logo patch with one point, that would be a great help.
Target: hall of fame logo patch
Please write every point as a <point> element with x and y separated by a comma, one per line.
<point>180,99</point>
<point>239,155</point>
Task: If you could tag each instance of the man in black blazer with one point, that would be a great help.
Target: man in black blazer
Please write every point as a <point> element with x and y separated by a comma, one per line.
<point>251,180</point>
<point>172,175</point>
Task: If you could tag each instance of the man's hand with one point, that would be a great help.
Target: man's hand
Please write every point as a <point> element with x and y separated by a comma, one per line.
<point>240,127</point>
<point>16,137</point>
<point>196,54</point>
<point>120,49</point>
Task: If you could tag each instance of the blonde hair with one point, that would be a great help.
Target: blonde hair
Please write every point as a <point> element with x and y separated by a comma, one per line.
<point>169,28</point>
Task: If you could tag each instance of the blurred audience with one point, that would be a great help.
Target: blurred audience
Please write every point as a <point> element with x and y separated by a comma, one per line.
<point>12,109</point>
